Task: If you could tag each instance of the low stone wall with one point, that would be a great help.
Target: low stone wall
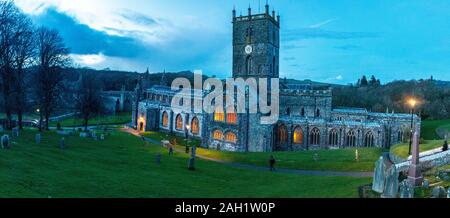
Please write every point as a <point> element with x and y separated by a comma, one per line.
<point>428,162</point>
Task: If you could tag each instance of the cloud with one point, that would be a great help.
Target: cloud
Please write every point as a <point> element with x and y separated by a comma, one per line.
<point>312,33</point>
<point>323,23</point>
<point>339,77</point>
<point>89,60</point>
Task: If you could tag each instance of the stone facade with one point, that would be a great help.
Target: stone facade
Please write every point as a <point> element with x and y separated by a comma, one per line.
<point>307,119</point>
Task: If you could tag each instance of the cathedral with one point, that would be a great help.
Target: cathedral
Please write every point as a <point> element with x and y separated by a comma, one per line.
<point>306,121</point>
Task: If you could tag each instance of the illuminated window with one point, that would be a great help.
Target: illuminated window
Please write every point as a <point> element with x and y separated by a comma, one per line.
<point>230,137</point>
<point>179,122</point>
<point>218,135</point>
<point>165,119</point>
<point>219,116</point>
<point>195,126</point>
<point>298,136</point>
<point>231,118</point>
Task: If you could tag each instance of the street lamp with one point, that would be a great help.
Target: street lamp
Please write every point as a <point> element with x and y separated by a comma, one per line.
<point>412,103</point>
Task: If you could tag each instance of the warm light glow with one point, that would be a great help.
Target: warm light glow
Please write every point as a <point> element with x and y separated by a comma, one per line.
<point>412,102</point>
<point>188,127</point>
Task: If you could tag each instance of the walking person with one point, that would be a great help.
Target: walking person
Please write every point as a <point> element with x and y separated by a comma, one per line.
<point>272,162</point>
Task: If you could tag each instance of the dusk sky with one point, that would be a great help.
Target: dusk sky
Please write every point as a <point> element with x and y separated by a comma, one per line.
<point>333,41</point>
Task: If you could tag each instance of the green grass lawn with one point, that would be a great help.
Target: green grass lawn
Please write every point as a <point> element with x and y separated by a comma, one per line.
<point>120,118</point>
<point>329,160</point>
<point>122,166</point>
<point>429,128</point>
<point>401,150</point>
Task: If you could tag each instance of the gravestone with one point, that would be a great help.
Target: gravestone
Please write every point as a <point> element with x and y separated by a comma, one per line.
<point>37,139</point>
<point>62,144</point>
<point>426,184</point>
<point>406,189</point>
<point>194,151</point>
<point>448,193</point>
<point>15,132</point>
<point>191,164</point>
<point>379,176</point>
<point>357,155</point>
<point>102,137</point>
<point>438,192</point>
<point>5,142</point>
<point>391,186</point>
<point>158,158</point>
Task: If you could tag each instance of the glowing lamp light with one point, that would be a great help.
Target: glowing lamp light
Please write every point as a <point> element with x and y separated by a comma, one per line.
<point>412,102</point>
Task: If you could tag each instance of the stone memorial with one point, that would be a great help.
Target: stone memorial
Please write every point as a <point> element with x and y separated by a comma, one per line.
<point>15,132</point>
<point>406,189</point>
<point>391,186</point>
<point>62,144</point>
<point>379,176</point>
<point>37,139</point>
<point>438,192</point>
<point>5,142</point>
<point>158,158</point>
<point>448,193</point>
<point>316,157</point>
<point>102,137</point>
<point>191,164</point>
<point>414,173</point>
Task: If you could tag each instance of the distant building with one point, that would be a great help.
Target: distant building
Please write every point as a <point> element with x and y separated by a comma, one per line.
<point>307,119</point>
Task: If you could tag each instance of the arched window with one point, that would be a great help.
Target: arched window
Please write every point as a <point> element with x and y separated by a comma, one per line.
<point>351,139</point>
<point>369,140</point>
<point>218,135</point>
<point>333,138</point>
<point>282,134</point>
<point>248,65</point>
<point>302,113</point>
<point>230,137</point>
<point>298,135</point>
<point>318,113</point>
<point>195,128</point>
<point>165,119</point>
<point>400,136</point>
<point>219,116</point>
<point>179,122</point>
<point>315,136</point>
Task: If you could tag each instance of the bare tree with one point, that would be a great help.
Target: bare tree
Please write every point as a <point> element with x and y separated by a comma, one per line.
<point>88,98</point>
<point>52,56</point>
<point>24,52</point>
<point>9,14</point>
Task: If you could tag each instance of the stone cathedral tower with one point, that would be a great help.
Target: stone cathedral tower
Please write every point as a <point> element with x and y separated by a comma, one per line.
<point>256,44</point>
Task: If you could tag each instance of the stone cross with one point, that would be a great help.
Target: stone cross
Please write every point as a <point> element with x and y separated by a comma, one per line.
<point>414,174</point>
<point>391,187</point>
<point>379,176</point>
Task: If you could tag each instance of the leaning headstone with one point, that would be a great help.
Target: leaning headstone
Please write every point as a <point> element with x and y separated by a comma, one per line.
<point>406,189</point>
<point>62,144</point>
<point>5,142</point>
<point>379,176</point>
<point>391,187</point>
<point>426,184</point>
<point>438,192</point>
<point>37,139</point>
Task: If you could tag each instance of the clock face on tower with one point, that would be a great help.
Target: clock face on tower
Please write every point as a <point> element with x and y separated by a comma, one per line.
<point>248,49</point>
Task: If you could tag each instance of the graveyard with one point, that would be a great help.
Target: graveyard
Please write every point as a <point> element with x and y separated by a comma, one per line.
<point>123,166</point>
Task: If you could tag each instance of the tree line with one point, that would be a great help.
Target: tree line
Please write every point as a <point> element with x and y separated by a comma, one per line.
<point>25,47</point>
<point>433,99</point>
